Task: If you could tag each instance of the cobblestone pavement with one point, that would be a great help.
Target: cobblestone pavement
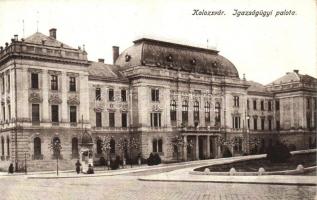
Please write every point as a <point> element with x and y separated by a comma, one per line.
<point>128,187</point>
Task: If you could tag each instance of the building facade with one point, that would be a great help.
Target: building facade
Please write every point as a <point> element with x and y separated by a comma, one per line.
<point>182,102</point>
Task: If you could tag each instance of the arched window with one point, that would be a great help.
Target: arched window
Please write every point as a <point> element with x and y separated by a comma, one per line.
<point>207,112</point>
<point>99,146</point>
<point>2,146</point>
<point>217,113</point>
<point>8,146</point>
<point>75,148</point>
<point>112,146</point>
<point>56,151</point>
<point>185,112</point>
<point>154,144</point>
<point>173,110</point>
<point>37,148</point>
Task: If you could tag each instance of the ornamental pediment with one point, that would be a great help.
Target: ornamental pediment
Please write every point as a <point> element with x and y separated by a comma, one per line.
<point>56,73</point>
<point>55,99</point>
<point>123,107</point>
<point>73,100</point>
<point>156,107</point>
<point>35,98</point>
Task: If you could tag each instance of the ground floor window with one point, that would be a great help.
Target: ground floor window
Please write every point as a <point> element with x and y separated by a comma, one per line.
<point>75,148</point>
<point>8,146</point>
<point>99,146</point>
<point>112,146</point>
<point>56,151</point>
<point>37,148</point>
<point>157,145</point>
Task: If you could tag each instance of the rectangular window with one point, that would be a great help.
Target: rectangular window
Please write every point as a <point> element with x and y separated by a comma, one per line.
<point>248,122</point>
<point>9,112</point>
<point>123,95</point>
<point>98,119</point>
<point>111,95</point>
<point>3,84</point>
<point>8,79</point>
<point>236,122</point>
<point>277,125</point>
<point>72,84</point>
<point>270,124</point>
<point>248,104</point>
<point>308,103</point>
<point>155,119</point>
<point>54,82</point>
<point>255,123</point>
<point>124,120</point>
<point>35,81</point>
<point>35,112</point>
<point>236,101</point>
<point>262,123</point>
<point>73,114</point>
<point>277,105</point>
<point>270,105</point>
<point>54,113</point>
<point>155,94</point>
<point>254,104</point>
<point>3,113</point>
<point>262,105</point>
<point>98,94</point>
<point>111,120</point>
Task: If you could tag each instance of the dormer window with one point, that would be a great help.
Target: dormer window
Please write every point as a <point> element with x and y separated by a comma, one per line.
<point>169,58</point>
<point>127,58</point>
<point>193,61</point>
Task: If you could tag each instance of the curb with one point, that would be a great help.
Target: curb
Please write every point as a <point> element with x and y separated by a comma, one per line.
<point>229,182</point>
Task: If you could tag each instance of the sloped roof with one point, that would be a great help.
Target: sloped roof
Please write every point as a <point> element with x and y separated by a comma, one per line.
<point>176,56</point>
<point>256,87</point>
<point>102,70</point>
<point>38,37</point>
<point>293,77</point>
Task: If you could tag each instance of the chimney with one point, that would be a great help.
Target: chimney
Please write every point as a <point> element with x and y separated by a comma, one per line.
<point>115,53</point>
<point>101,60</point>
<point>53,33</point>
<point>296,71</point>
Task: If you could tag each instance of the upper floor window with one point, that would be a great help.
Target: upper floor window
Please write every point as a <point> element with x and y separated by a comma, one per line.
<point>98,119</point>
<point>35,112</point>
<point>196,111</point>
<point>111,119</point>
<point>236,101</point>
<point>155,119</point>
<point>35,81</point>
<point>270,124</point>
<point>124,120</point>
<point>217,112</point>
<point>173,110</point>
<point>254,104</point>
<point>111,95</point>
<point>8,80</point>
<point>123,95</point>
<point>262,123</point>
<point>155,94</point>
<point>236,122</point>
<point>54,82</point>
<point>255,123</point>
<point>3,84</point>
<point>248,104</point>
<point>207,112</point>
<point>262,105</point>
<point>54,112</point>
<point>73,114</point>
<point>72,84</point>
<point>185,111</point>
<point>277,105</point>
<point>308,102</point>
<point>269,105</point>
<point>98,94</point>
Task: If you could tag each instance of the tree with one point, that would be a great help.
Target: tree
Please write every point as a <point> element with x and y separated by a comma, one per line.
<point>178,143</point>
<point>106,148</point>
<point>56,147</point>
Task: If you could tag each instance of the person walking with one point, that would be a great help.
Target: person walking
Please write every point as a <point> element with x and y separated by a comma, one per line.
<point>78,166</point>
<point>10,171</point>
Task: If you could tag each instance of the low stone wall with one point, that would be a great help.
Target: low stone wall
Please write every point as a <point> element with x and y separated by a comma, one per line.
<point>299,170</point>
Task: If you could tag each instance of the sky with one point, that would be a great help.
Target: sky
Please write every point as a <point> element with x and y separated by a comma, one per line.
<point>262,48</point>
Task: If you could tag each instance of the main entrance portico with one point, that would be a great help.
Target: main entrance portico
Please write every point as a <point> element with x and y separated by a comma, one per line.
<point>200,146</point>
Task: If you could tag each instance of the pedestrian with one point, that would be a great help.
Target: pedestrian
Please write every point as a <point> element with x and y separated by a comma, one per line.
<point>10,171</point>
<point>78,166</point>
<point>90,169</point>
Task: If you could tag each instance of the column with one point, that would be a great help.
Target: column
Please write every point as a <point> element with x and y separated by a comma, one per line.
<point>185,148</point>
<point>197,148</point>
<point>208,146</point>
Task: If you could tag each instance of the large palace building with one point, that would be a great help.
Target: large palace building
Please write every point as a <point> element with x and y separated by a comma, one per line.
<point>181,102</point>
